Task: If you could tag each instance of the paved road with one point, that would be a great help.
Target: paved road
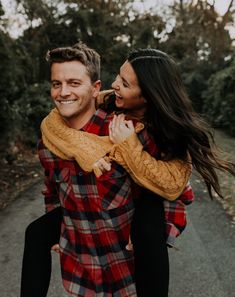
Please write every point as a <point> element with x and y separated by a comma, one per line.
<point>203,265</point>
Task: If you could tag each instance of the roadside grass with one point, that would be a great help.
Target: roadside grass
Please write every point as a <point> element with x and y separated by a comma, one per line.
<point>227,181</point>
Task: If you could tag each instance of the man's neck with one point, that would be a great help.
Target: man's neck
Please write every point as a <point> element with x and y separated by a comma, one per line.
<point>80,121</point>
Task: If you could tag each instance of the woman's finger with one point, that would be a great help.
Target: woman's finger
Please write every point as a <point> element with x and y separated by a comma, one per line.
<point>114,122</point>
<point>120,120</point>
<point>105,165</point>
<point>129,246</point>
<point>130,125</point>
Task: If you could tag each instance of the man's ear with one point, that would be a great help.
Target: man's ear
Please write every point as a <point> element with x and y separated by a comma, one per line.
<point>96,86</point>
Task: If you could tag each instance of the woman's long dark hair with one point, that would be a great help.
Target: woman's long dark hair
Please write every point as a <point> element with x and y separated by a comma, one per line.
<point>171,119</point>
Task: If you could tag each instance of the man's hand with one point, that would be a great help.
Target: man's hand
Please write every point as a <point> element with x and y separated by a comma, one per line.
<point>56,248</point>
<point>120,129</point>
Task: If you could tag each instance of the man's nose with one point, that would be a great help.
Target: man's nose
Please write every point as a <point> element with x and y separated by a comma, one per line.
<point>65,90</point>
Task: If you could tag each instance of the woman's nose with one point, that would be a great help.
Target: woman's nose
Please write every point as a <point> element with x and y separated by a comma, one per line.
<point>115,84</point>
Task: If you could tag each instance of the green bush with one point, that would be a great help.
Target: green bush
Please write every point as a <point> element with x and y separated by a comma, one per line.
<point>195,84</point>
<point>219,99</point>
<point>34,104</point>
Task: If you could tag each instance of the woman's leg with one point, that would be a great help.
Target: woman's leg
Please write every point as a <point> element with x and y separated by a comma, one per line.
<point>40,236</point>
<point>148,233</point>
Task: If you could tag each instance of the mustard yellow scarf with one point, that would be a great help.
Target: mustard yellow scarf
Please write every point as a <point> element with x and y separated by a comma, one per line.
<point>70,144</point>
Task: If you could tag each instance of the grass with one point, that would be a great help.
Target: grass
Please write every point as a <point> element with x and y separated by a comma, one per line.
<point>227,181</point>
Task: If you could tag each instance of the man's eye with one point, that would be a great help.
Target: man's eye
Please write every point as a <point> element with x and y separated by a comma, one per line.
<point>125,84</point>
<point>55,85</point>
<point>74,83</point>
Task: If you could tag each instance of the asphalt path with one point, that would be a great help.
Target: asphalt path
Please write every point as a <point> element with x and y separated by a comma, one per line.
<point>203,265</point>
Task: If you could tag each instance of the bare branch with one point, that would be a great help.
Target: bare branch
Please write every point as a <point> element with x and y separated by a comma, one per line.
<point>227,13</point>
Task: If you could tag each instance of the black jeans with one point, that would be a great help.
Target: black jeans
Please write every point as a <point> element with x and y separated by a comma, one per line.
<point>148,234</point>
<point>40,236</point>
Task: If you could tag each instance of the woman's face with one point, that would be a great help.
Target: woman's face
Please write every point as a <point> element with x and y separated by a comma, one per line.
<point>127,90</point>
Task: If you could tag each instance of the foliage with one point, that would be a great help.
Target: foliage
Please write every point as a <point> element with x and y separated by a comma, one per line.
<point>197,39</point>
<point>34,104</point>
<point>10,77</point>
<point>200,42</point>
<point>219,99</point>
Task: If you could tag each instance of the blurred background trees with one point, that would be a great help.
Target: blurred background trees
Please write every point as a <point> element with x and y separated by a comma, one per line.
<point>191,31</point>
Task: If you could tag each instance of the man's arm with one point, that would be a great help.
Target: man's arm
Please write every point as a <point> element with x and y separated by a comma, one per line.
<point>50,191</point>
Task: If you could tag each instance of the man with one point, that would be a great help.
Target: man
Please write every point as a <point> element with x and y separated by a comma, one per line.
<point>95,227</point>
<point>97,212</point>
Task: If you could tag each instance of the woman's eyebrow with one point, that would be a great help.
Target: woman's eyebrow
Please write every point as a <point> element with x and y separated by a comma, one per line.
<point>125,81</point>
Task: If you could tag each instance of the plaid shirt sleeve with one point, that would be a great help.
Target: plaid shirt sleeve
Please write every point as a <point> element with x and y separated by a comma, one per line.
<point>175,214</point>
<point>50,190</point>
<point>175,211</point>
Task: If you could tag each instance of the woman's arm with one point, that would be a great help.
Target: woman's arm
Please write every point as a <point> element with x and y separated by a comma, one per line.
<point>166,178</point>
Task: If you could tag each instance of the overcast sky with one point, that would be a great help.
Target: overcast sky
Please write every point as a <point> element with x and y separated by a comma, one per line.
<point>18,24</point>
<point>220,5</point>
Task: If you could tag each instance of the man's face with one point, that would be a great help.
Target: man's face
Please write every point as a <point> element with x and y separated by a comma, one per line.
<point>73,92</point>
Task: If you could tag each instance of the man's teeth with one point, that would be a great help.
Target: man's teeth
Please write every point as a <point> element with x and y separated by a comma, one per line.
<point>67,101</point>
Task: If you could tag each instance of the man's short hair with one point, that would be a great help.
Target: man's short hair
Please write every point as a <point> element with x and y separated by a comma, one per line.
<point>78,52</point>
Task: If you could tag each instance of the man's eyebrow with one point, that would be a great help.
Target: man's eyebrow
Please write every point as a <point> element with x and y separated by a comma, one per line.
<point>68,80</point>
<point>73,79</point>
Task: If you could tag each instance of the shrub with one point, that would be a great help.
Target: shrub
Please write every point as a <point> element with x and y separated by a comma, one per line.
<point>219,99</point>
<point>34,104</point>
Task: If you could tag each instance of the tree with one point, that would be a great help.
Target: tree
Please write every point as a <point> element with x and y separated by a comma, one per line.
<point>200,42</point>
<point>111,27</point>
<point>219,99</point>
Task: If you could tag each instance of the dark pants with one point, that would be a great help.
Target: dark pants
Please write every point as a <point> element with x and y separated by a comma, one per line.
<point>148,236</point>
<point>40,236</point>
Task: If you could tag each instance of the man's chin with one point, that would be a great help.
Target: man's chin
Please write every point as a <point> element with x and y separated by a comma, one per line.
<point>66,115</point>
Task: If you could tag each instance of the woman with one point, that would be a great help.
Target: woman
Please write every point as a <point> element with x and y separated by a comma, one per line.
<point>149,87</point>
<point>169,116</point>
<point>150,78</point>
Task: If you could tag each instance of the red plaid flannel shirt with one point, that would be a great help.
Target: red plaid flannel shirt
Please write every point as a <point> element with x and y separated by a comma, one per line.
<point>97,213</point>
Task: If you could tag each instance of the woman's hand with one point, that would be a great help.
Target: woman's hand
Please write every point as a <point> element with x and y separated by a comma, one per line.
<point>129,246</point>
<point>56,248</point>
<point>120,129</point>
<point>103,165</point>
